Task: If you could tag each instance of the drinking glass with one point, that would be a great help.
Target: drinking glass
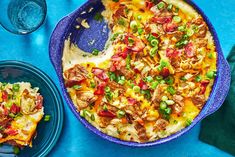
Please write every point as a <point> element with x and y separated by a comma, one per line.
<point>22,16</point>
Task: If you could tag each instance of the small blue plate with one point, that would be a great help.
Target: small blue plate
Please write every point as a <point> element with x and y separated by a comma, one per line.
<point>47,132</point>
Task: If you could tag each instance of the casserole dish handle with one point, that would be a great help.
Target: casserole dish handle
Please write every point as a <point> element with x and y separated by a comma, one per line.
<point>56,43</point>
<point>222,88</point>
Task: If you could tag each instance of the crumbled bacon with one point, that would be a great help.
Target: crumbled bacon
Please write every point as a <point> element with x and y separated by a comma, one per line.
<point>143,85</point>
<point>171,53</point>
<point>39,102</point>
<point>190,50</point>
<point>100,73</point>
<point>162,19</point>
<point>204,84</point>
<point>132,101</point>
<point>100,89</point>
<point>170,27</point>
<point>108,114</point>
<point>14,109</point>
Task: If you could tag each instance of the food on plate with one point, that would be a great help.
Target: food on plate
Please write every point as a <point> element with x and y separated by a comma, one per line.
<point>154,76</point>
<point>21,109</point>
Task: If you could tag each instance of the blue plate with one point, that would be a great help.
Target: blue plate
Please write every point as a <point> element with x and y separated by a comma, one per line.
<point>47,132</point>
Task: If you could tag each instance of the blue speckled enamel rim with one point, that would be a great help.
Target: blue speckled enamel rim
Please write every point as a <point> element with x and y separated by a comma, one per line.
<point>216,99</point>
<point>59,117</point>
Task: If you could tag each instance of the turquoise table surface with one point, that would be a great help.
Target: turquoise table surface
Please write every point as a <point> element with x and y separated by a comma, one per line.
<point>76,140</point>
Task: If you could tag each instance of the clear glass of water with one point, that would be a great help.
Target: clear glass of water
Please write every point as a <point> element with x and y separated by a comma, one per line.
<point>22,16</point>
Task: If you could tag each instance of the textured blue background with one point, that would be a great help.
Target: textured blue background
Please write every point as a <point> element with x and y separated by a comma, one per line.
<point>75,139</point>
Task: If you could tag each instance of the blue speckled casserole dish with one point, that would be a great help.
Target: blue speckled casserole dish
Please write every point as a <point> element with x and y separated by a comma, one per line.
<point>67,27</point>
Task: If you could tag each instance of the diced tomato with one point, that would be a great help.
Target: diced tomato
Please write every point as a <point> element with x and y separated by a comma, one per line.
<point>124,53</point>
<point>71,83</point>
<point>155,35</point>
<point>143,85</point>
<point>132,101</point>
<point>165,72</point>
<point>6,112</point>
<point>14,109</point>
<point>100,89</point>
<point>136,70</point>
<point>149,4</point>
<point>108,114</point>
<point>100,73</point>
<point>204,84</point>
<point>11,131</point>
<point>39,102</point>
<point>170,27</point>
<point>189,50</point>
<point>4,95</point>
<point>172,53</point>
<point>137,44</point>
<point>162,20</point>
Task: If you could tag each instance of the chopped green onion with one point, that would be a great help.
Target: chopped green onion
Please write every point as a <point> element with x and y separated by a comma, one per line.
<point>105,108</point>
<point>95,52</point>
<point>164,63</point>
<point>164,98</point>
<point>154,42</point>
<point>188,122</point>
<point>128,62</point>
<point>92,117</point>
<point>168,110</point>
<point>176,10</point>
<point>163,105</point>
<point>47,118</point>
<point>1,127</point>
<point>159,78</point>
<point>177,19</point>
<point>140,31</point>
<point>16,87</point>
<point>198,78</point>
<point>77,87</point>
<point>146,93</point>
<point>153,51</point>
<point>121,80</point>
<point>92,84</point>
<point>154,85</point>
<point>169,102</point>
<point>131,41</point>
<point>210,55</point>
<point>109,96</point>
<point>82,113</point>
<point>169,80</point>
<point>107,89</point>
<point>136,89</point>
<point>98,17</point>
<point>112,76</point>
<point>149,78</point>
<point>181,28</point>
<point>115,35</point>
<point>190,32</point>
<point>121,21</point>
<point>139,17</point>
<point>162,82</point>
<point>16,150</point>
<point>151,37</point>
<point>133,24</point>
<point>169,7</point>
<point>120,113</point>
<point>171,90</point>
<point>161,5</point>
<point>211,74</point>
<point>115,0</point>
<point>183,78</point>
